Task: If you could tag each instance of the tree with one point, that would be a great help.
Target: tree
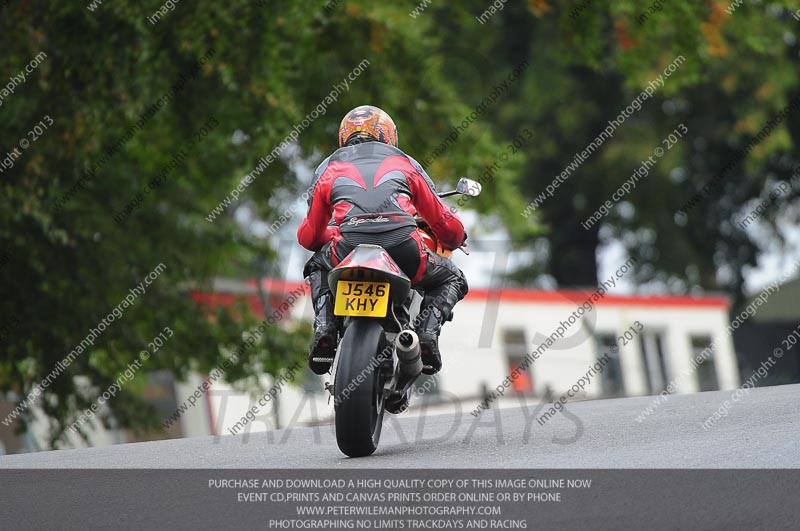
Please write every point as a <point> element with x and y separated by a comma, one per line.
<point>233,82</point>
<point>588,62</point>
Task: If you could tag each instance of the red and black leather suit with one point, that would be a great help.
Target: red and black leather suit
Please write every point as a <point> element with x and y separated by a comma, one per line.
<point>369,193</point>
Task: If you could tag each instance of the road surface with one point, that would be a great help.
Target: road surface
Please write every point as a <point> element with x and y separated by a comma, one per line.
<point>761,430</point>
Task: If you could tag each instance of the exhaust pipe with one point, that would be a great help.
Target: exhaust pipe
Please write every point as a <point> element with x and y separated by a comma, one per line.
<point>409,366</point>
<point>409,356</point>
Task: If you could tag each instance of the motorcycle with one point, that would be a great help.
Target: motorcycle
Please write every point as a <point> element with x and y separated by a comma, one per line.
<point>378,358</point>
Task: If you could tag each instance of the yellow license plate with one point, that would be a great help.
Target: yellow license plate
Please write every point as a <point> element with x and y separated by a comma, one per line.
<point>362,299</point>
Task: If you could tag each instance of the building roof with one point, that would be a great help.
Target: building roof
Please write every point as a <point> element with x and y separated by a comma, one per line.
<point>226,291</point>
<point>780,304</point>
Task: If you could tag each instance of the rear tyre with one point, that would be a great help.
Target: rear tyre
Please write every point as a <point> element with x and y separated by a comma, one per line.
<point>358,389</point>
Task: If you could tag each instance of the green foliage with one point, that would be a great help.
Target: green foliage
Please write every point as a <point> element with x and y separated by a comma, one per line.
<point>270,64</point>
<point>589,60</point>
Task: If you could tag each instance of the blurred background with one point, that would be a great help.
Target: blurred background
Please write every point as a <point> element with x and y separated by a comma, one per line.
<point>154,157</point>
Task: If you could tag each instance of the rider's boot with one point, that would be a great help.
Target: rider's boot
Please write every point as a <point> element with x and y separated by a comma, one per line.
<point>323,346</point>
<point>437,307</point>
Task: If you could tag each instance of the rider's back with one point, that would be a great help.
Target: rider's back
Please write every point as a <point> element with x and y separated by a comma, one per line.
<point>373,188</point>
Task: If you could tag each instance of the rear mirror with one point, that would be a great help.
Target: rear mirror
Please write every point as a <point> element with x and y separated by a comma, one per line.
<point>468,187</point>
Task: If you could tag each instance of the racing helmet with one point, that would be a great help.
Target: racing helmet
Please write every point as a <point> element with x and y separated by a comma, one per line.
<point>367,123</point>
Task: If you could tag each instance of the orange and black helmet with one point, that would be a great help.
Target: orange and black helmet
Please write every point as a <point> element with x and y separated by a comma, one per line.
<point>366,123</point>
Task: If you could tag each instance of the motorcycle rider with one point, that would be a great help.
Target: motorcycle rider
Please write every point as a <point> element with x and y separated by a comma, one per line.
<point>368,191</point>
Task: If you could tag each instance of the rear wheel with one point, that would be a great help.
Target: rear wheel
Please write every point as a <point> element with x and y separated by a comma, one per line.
<point>358,389</point>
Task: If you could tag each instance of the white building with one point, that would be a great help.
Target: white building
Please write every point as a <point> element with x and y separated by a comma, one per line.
<point>492,332</point>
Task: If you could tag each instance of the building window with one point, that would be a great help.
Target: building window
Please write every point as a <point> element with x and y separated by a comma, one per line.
<point>706,370</point>
<point>653,360</point>
<point>516,349</point>
<point>611,377</point>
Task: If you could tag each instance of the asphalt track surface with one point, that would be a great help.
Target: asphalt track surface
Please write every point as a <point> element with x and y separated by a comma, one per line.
<point>761,430</point>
